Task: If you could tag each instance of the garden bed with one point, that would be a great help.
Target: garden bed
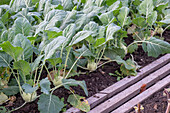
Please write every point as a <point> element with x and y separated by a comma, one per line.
<point>96,82</point>
<point>56,53</point>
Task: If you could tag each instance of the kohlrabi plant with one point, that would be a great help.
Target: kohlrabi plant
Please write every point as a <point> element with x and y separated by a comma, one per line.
<point>57,36</point>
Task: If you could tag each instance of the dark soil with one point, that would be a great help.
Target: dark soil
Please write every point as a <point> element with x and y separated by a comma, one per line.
<point>157,103</point>
<point>95,81</point>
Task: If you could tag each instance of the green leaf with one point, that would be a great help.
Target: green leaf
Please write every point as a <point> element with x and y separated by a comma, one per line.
<point>166,21</point>
<point>132,48</point>
<point>110,2</point>
<point>22,25</point>
<point>5,59</point>
<point>69,32</point>
<point>78,52</point>
<point>29,89</point>
<point>23,66</point>
<point>152,18</point>
<point>139,21</point>
<point>10,90</point>
<point>99,42</point>
<point>155,47</point>
<point>123,16</point>
<point>112,28</point>
<point>81,35</point>
<point>70,18</point>
<point>71,82</point>
<point>35,64</point>
<point>114,53</point>
<point>5,17</point>
<point>67,4</point>
<point>129,71</point>
<point>107,17</point>
<point>99,2</point>
<point>114,6</point>
<point>92,26</point>
<point>146,7</point>
<point>14,52</point>
<point>3,98</point>
<point>53,34</point>
<point>49,104</point>
<point>45,85</point>
<point>55,61</point>
<point>22,41</point>
<point>79,102</point>
<point>53,46</point>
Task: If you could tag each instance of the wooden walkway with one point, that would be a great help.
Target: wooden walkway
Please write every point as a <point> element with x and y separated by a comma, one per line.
<point>122,96</point>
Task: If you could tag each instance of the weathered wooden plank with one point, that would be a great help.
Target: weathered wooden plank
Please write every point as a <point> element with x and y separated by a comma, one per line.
<point>93,101</point>
<point>131,91</point>
<point>126,82</point>
<point>125,108</point>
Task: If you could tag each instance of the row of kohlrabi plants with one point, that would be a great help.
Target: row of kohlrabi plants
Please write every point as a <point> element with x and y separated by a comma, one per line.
<point>61,35</point>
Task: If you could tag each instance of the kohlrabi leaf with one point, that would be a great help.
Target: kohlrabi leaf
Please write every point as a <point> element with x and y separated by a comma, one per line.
<point>70,18</point>
<point>78,52</point>
<point>139,21</point>
<point>123,16</point>
<point>81,21</point>
<point>16,5</point>
<point>81,35</point>
<point>34,65</point>
<point>5,59</point>
<point>79,102</point>
<point>155,47</point>
<point>110,2</point>
<point>132,48</point>
<point>69,32</point>
<point>29,89</point>
<point>53,46</point>
<point>41,27</point>
<point>55,61</point>
<point>45,85</point>
<point>49,104</point>
<point>99,42</point>
<point>53,34</point>
<point>114,6</point>
<point>23,66</point>
<point>92,26</point>
<point>22,41</point>
<point>3,98</point>
<point>166,21</point>
<point>10,90</point>
<point>152,18</point>
<point>5,17</point>
<point>126,71</point>
<point>111,29</point>
<point>22,25</point>
<point>14,52</point>
<point>99,2</point>
<point>67,4</point>
<point>101,32</point>
<point>71,82</point>
<point>114,53</point>
<point>146,7</point>
<point>107,17</point>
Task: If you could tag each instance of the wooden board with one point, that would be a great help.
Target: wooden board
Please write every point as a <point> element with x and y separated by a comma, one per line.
<point>125,108</point>
<point>131,91</point>
<point>123,84</point>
